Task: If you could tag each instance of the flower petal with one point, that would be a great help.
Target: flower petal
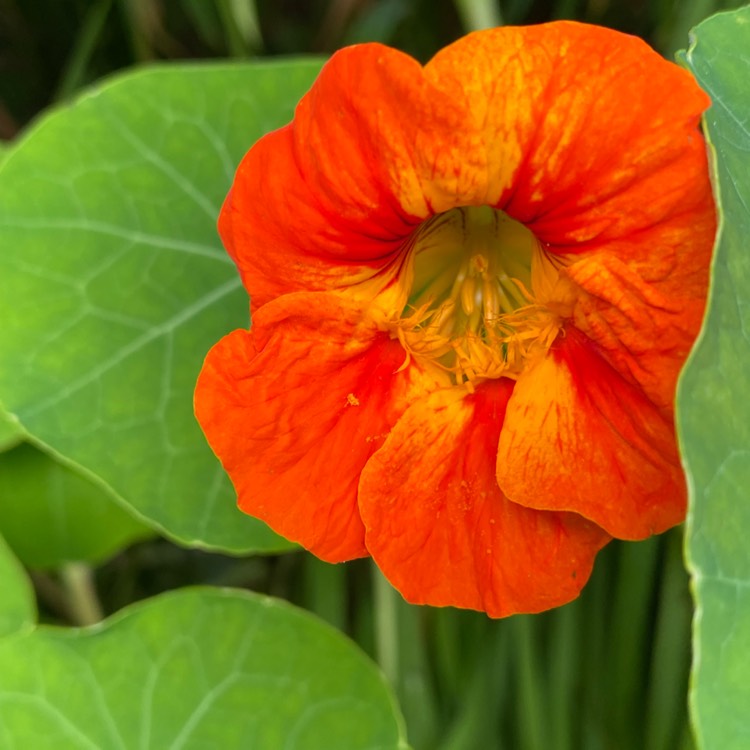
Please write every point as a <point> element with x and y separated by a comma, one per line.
<point>643,332</point>
<point>315,196</point>
<point>579,132</point>
<point>584,134</point>
<point>441,530</point>
<point>578,437</point>
<point>295,407</point>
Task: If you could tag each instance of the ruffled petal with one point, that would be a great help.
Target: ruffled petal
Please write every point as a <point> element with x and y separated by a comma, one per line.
<point>441,530</point>
<point>579,132</point>
<point>295,407</point>
<point>312,206</point>
<point>529,120</point>
<point>578,437</point>
<point>642,332</point>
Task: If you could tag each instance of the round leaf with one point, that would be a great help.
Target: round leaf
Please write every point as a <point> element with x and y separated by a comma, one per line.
<point>10,432</point>
<point>50,515</point>
<point>195,669</point>
<point>713,411</point>
<point>114,284</point>
<point>17,607</point>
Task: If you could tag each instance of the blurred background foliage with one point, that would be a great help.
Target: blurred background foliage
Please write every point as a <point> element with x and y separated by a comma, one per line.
<point>51,48</point>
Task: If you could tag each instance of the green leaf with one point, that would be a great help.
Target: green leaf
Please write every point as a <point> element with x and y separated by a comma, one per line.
<point>114,284</point>
<point>50,515</point>
<point>17,607</point>
<point>195,669</point>
<point>10,431</point>
<point>713,411</point>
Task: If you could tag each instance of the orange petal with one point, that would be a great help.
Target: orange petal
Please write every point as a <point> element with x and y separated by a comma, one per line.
<point>642,332</point>
<point>441,530</point>
<point>584,134</point>
<point>578,437</point>
<point>311,206</point>
<point>295,407</point>
<point>577,131</point>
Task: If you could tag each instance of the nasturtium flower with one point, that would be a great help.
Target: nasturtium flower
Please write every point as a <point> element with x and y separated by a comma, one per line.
<point>473,285</point>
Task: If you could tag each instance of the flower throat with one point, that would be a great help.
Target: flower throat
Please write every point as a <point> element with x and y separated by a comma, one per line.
<point>471,309</point>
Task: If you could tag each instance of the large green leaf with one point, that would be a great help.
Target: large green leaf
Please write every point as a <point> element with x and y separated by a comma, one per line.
<point>195,669</point>
<point>17,609</point>
<point>713,409</point>
<point>114,285</point>
<point>10,432</point>
<point>50,515</point>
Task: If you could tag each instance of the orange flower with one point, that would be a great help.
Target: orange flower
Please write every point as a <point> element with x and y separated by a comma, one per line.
<point>473,286</point>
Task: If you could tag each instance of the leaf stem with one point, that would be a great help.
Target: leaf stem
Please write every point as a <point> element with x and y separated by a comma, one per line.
<point>90,34</point>
<point>386,626</point>
<point>81,597</point>
<point>479,14</point>
<point>532,700</point>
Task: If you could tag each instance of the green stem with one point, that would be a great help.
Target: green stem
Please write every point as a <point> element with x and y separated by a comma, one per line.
<point>483,701</point>
<point>666,713</point>
<point>74,72</point>
<point>630,632</point>
<point>325,588</point>
<point>532,703</point>
<point>561,672</point>
<point>82,599</point>
<point>235,43</point>
<point>479,14</point>
<point>386,626</point>
<point>403,654</point>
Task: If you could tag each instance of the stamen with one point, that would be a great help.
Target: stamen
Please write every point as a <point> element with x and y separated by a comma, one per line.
<point>471,312</point>
<point>467,295</point>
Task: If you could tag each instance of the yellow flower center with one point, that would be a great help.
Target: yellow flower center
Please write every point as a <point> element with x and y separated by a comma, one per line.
<point>472,309</point>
